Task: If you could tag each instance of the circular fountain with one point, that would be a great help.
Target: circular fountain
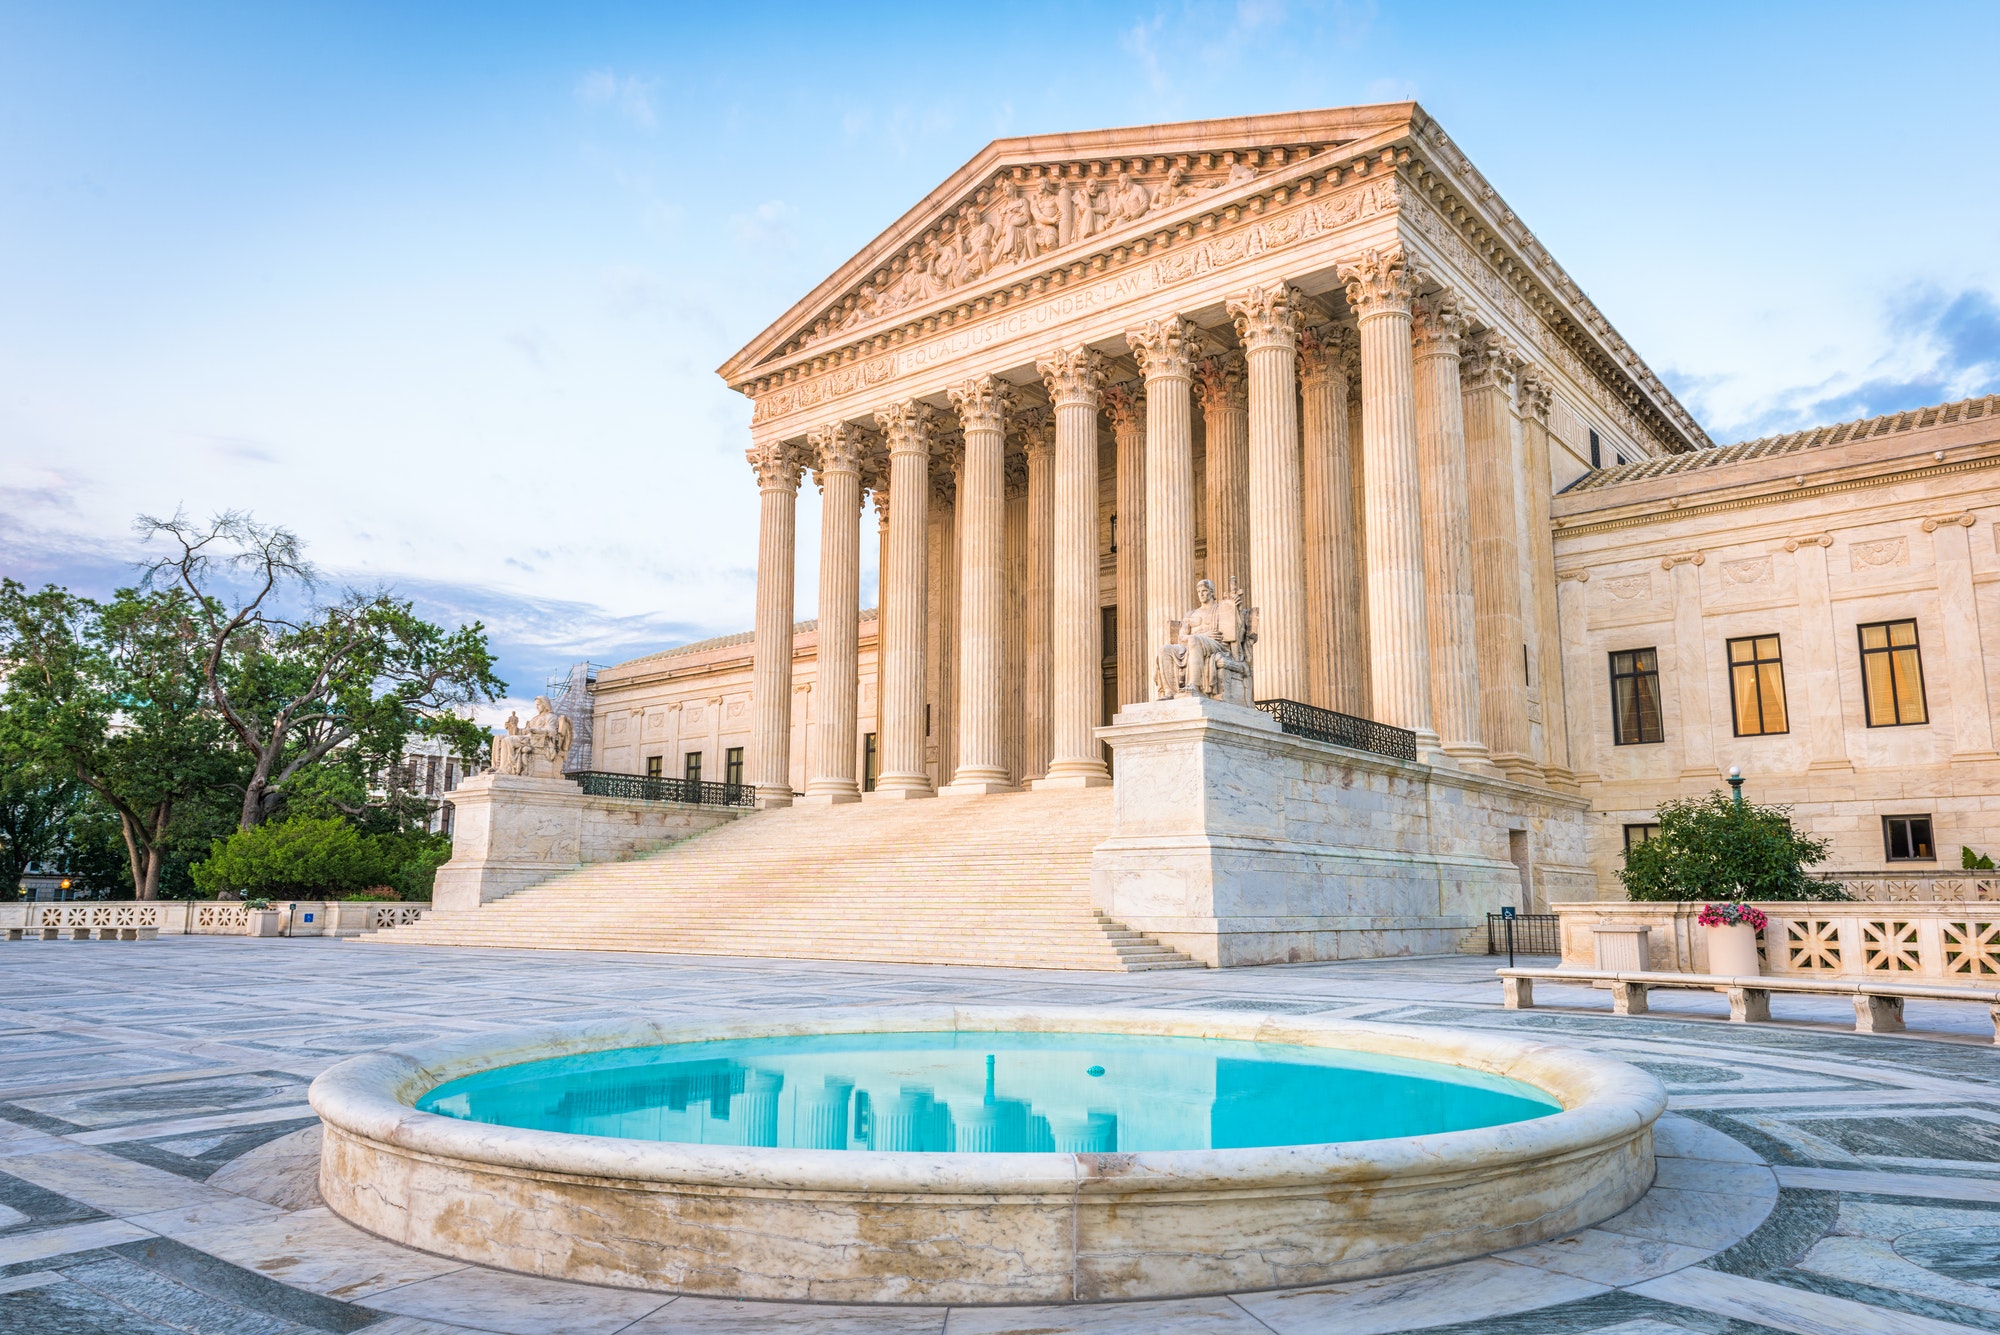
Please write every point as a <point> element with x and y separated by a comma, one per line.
<point>982,1154</point>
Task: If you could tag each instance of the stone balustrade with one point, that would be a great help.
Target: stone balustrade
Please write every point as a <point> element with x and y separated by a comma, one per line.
<point>199,917</point>
<point>1950,940</point>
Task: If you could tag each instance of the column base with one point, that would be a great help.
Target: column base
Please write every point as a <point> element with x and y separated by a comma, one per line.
<point>829,796</point>
<point>770,795</point>
<point>1470,758</point>
<point>903,790</point>
<point>1075,774</point>
<point>978,783</point>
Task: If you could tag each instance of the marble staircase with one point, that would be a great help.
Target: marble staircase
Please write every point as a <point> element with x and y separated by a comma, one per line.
<point>997,880</point>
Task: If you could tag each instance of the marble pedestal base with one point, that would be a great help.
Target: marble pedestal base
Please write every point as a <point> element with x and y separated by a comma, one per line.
<point>1236,843</point>
<point>509,833</point>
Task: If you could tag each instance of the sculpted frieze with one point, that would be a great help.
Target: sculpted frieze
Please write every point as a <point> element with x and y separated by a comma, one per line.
<point>840,381</point>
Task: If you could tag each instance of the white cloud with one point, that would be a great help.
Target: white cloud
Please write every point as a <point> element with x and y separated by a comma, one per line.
<point>630,95</point>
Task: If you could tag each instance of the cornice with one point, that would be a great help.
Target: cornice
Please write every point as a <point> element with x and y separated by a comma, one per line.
<point>1672,509</point>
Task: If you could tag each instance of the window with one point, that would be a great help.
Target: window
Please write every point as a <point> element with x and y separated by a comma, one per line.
<point>1635,697</point>
<point>1596,452</point>
<point>732,765</point>
<point>871,763</point>
<point>1892,674</point>
<point>1643,833</point>
<point>1757,685</point>
<point>692,767</point>
<point>1908,839</point>
<point>653,764</point>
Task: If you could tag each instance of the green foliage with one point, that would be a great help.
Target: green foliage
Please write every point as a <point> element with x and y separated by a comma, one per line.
<point>410,859</point>
<point>1713,848</point>
<point>302,858</point>
<point>1971,861</point>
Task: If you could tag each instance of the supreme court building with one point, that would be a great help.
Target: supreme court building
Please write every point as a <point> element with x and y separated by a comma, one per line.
<point>1315,360</point>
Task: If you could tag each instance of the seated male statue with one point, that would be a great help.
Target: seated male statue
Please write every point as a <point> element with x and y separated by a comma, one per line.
<point>1210,655</point>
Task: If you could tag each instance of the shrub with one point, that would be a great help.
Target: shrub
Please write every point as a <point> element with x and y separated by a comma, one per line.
<point>300,858</point>
<point>1713,848</point>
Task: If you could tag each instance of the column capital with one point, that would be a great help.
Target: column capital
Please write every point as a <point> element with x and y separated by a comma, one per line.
<point>1220,381</point>
<point>1438,324</point>
<point>838,447</point>
<point>1014,476</point>
<point>981,402</point>
<point>947,459</point>
<point>1324,354</point>
<point>1166,347</point>
<point>1125,404</point>
<point>907,426</point>
<point>776,464</point>
<point>1488,361</point>
<point>1074,376</point>
<point>1535,392</point>
<point>1267,316</point>
<point>1378,282</point>
<point>1035,428</point>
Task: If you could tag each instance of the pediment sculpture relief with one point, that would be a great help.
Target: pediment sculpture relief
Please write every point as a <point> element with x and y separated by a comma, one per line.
<point>538,749</point>
<point>1210,650</point>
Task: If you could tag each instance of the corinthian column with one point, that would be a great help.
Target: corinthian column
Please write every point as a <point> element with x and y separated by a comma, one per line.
<point>1438,333</point>
<point>1486,374</point>
<point>1333,611</point>
<point>902,625</point>
<point>1165,350</point>
<point>1225,414</point>
<point>981,404</point>
<point>777,469</point>
<point>1267,320</point>
<point>1038,438</point>
<point>1125,404</point>
<point>1075,379</point>
<point>1548,628</point>
<point>837,457</point>
<point>1379,289</point>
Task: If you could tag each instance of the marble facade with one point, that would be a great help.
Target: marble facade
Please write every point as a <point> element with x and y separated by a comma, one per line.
<point>1318,356</point>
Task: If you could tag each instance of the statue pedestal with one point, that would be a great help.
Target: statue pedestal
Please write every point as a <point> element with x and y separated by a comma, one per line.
<point>509,832</point>
<point>1238,843</point>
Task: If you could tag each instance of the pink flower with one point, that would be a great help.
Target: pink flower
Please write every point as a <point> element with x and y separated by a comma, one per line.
<point>1733,915</point>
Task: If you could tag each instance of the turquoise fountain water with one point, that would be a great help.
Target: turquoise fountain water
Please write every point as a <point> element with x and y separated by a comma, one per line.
<point>994,1092</point>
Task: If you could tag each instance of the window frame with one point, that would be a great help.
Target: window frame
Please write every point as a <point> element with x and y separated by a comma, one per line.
<point>732,766</point>
<point>871,761</point>
<point>1916,647</point>
<point>1631,843</point>
<point>1756,666</point>
<point>691,767</point>
<point>1888,837</point>
<point>1659,697</point>
<point>656,767</point>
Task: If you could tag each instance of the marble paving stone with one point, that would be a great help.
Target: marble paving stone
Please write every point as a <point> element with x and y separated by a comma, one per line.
<point>1876,1264</point>
<point>207,1217</point>
<point>138,1289</point>
<point>1454,1293</point>
<point>1700,1219</point>
<point>1784,1308</point>
<point>67,1239</point>
<point>1684,1174</point>
<point>317,1250</point>
<point>189,1126</point>
<point>1607,1258</point>
<point>9,1217</point>
<point>158,1102</point>
<point>520,1304</point>
<point>1683,1137</point>
<point>66,1308</point>
<point>32,1279</point>
<point>283,1172</point>
<point>197,1271</point>
<point>1188,1316</point>
<point>409,1325</point>
<point>107,1182</point>
<point>1932,1186</point>
<point>706,1316</point>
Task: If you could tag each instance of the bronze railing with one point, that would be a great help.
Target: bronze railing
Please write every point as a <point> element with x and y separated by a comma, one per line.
<point>644,788</point>
<point>1327,725</point>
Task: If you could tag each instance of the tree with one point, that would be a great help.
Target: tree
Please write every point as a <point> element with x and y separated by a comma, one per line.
<point>302,857</point>
<point>35,812</point>
<point>107,695</point>
<point>350,680</point>
<point>1713,847</point>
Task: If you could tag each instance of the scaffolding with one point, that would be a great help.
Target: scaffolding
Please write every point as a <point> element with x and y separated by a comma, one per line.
<point>571,696</point>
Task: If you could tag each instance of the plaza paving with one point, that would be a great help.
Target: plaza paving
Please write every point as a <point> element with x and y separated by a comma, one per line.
<point>157,1152</point>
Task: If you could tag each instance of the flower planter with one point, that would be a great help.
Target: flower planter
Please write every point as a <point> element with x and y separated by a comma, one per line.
<point>264,922</point>
<point>1732,950</point>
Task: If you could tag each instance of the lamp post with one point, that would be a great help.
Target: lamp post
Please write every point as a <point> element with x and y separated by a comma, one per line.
<point>1736,783</point>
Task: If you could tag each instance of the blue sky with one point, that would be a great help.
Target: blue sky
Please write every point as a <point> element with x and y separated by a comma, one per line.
<point>443,287</point>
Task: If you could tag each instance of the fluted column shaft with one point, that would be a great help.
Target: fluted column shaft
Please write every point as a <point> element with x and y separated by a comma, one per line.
<point>1486,374</point>
<point>1074,377</point>
<point>1166,351</point>
<point>1357,513</point>
<point>771,653</point>
<point>1126,405</point>
<point>1013,702</point>
<point>982,588</point>
<point>1041,454</point>
<point>1333,612</point>
<point>1550,659</point>
<point>1225,415</point>
<point>1267,321</point>
<point>902,627</point>
<point>1379,290</point>
<point>837,678</point>
<point>1449,610</point>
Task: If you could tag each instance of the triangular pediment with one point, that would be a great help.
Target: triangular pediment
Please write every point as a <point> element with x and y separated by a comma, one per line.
<point>1026,204</point>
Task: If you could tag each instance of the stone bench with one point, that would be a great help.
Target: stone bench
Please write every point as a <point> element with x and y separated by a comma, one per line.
<point>83,933</point>
<point>1878,1005</point>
